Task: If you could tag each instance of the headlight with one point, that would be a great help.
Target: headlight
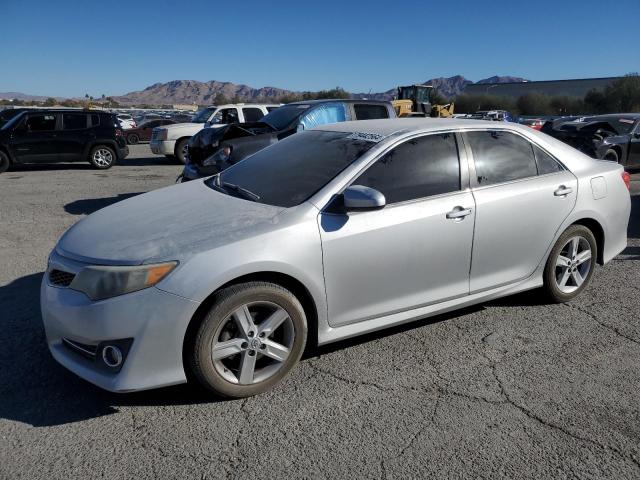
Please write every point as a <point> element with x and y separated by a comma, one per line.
<point>222,155</point>
<point>100,282</point>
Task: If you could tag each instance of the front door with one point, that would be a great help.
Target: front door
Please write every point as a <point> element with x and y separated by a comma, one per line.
<point>522,196</point>
<point>34,139</point>
<point>414,251</point>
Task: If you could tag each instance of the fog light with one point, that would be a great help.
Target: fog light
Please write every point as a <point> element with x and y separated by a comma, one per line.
<point>112,356</point>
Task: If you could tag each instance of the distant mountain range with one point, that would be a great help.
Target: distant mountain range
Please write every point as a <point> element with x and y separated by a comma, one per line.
<point>203,93</point>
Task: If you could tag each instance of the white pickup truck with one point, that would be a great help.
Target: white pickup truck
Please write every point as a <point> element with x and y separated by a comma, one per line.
<point>171,140</point>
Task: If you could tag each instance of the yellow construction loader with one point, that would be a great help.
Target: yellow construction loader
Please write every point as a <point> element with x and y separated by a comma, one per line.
<point>416,101</point>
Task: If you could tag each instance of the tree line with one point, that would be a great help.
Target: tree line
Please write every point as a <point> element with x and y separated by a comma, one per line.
<point>621,96</point>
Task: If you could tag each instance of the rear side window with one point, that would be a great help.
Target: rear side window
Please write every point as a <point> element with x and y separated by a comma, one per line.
<point>252,114</point>
<point>370,112</point>
<point>418,168</point>
<point>501,157</point>
<point>74,121</point>
<point>41,123</point>
<point>546,163</point>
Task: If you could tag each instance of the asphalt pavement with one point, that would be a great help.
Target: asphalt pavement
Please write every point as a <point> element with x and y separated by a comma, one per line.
<point>514,388</point>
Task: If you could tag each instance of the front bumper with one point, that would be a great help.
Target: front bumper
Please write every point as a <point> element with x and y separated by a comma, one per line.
<point>156,321</point>
<point>163,147</point>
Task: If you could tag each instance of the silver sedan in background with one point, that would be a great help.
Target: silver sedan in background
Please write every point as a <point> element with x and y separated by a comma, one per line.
<point>328,234</point>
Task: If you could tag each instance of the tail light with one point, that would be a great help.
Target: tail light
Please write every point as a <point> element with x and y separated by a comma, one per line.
<point>118,132</point>
<point>626,178</point>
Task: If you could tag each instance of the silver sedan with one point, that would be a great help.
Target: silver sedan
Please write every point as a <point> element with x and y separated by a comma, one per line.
<point>325,235</point>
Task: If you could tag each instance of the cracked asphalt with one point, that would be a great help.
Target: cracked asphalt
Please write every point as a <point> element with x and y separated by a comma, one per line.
<point>513,388</point>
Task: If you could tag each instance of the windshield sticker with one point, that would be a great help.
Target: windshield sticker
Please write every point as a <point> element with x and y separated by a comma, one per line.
<point>367,137</point>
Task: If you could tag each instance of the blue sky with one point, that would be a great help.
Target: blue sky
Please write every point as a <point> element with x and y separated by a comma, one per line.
<point>69,48</point>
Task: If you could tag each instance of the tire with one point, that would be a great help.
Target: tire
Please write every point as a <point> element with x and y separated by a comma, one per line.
<point>4,162</point>
<point>235,358</point>
<point>133,139</point>
<point>181,150</point>
<point>611,155</point>
<point>568,271</point>
<point>102,157</point>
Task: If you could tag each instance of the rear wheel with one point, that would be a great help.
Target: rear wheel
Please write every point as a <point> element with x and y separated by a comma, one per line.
<point>251,338</point>
<point>133,139</point>
<point>612,155</point>
<point>102,157</point>
<point>4,162</point>
<point>571,263</point>
<point>181,150</point>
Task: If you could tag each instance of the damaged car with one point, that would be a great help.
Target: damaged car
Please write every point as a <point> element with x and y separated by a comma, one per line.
<point>606,137</point>
<point>212,150</point>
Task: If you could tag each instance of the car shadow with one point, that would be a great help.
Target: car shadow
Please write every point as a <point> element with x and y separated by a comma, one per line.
<point>148,161</point>
<point>90,205</point>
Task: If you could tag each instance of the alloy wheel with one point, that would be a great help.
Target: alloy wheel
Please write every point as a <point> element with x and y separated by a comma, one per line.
<point>253,343</point>
<point>102,157</point>
<point>573,264</point>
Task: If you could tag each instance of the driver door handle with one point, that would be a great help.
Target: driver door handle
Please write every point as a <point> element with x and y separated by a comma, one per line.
<point>563,191</point>
<point>458,213</point>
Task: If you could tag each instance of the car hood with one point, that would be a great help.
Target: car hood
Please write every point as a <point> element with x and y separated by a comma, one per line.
<point>187,127</point>
<point>172,223</point>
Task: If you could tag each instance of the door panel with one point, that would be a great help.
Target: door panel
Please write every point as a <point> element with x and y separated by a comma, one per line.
<point>35,140</point>
<point>398,258</point>
<point>515,224</point>
<point>72,138</point>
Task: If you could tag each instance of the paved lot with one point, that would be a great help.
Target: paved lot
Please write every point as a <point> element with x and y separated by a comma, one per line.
<point>513,388</point>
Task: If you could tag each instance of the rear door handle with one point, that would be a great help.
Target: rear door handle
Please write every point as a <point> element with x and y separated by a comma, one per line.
<point>563,191</point>
<point>458,213</point>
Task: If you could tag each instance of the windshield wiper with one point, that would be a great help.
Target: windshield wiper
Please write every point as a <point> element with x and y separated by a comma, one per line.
<point>243,192</point>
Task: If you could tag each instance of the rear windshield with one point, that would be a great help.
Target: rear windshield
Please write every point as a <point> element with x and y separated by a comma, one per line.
<point>292,170</point>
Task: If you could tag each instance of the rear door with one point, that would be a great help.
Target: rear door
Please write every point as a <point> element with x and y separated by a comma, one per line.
<point>522,196</point>
<point>72,137</point>
<point>34,139</point>
<point>413,252</point>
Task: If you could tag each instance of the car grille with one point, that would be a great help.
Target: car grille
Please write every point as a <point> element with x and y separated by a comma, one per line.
<point>87,351</point>
<point>60,278</point>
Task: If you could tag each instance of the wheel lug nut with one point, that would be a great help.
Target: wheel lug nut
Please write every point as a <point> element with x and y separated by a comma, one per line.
<point>263,346</point>
<point>261,335</point>
<point>251,333</point>
<point>244,345</point>
<point>252,353</point>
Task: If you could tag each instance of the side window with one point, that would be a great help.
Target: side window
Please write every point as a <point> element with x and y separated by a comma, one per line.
<point>41,123</point>
<point>74,121</point>
<point>370,112</point>
<point>252,114</point>
<point>152,124</point>
<point>418,168</point>
<point>501,157</point>
<point>546,163</point>
<point>94,120</point>
<point>327,113</point>
<point>224,116</point>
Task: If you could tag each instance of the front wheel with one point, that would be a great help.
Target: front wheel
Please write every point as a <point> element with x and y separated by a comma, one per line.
<point>4,162</point>
<point>102,157</point>
<point>611,155</point>
<point>181,150</point>
<point>251,338</point>
<point>571,263</point>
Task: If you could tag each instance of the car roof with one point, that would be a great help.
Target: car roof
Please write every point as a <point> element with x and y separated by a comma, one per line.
<point>386,127</point>
<point>344,100</point>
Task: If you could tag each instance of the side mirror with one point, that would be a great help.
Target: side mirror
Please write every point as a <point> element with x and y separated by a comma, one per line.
<point>358,197</point>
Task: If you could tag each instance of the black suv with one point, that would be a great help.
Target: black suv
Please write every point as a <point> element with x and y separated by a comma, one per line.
<point>62,136</point>
<point>212,150</point>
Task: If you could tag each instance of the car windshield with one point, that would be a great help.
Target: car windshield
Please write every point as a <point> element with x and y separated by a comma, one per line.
<point>203,115</point>
<point>12,122</point>
<point>292,170</point>
<point>283,116</point>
